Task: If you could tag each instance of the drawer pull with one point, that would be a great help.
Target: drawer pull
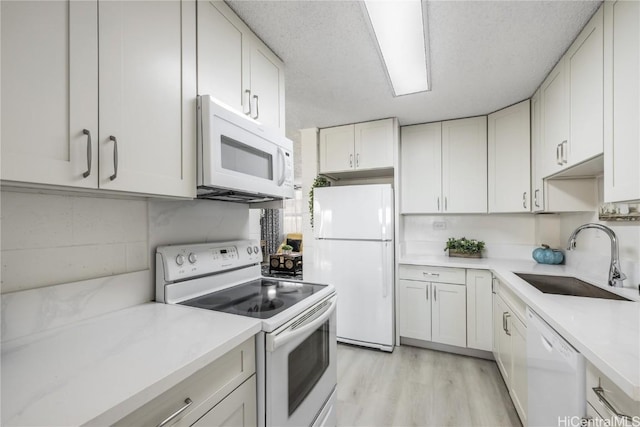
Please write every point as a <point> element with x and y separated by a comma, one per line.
<point>167,420</point>
<point>424,273</point>
<point>599,391</point>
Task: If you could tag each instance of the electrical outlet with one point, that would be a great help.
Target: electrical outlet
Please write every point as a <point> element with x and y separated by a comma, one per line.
<point>439,225</point>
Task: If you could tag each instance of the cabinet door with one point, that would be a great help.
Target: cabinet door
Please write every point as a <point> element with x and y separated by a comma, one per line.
<point>266,83</point>
<point>464,165</point>
<point>537,151</point>
<point>502,340</point>
<point>373,142</point>
<point>509,148</point>
<point>236,410</point>
<point>479,310</point>
<point>49,92</point>
<point>449,314</point>
<point>147,96</point>
<point>336,149</point>
<point>415,309</point>
<point>555,120</point>
<point>622,101</point>
<point>518,332</point>
<point>584,61</point>
<point>220,41</point>
<point>421,168</point>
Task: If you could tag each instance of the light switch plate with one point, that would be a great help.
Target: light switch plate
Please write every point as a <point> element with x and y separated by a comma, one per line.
<point>439,225</point>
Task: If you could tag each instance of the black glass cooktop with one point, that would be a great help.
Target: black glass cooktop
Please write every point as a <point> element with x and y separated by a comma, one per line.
<point>262,298</point>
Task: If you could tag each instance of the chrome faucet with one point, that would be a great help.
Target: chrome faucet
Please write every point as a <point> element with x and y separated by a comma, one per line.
<point>615,275</point>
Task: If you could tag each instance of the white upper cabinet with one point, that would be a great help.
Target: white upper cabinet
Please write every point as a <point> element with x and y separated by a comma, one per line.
<point>336,149</point>
<point>235,67</point>
<point>220,40</point>
<point>421,168</point>
<point>537,159</point>
<point>509,148</point>
<point>144,74</point>
<point>554,120</point>
<point>147,97</point>
<point>358,147</point>
<point>444,167</point>
<point>622,101</point>
<point>50,92</point>
<point>571,100</point>
<point>464,165</point>
<point>584,61</point>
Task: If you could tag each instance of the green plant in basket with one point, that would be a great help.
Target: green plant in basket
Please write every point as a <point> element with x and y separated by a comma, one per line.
<point>464,245</point>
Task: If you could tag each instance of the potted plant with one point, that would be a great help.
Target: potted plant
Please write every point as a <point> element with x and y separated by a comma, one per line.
<point>320,181</point>
<point>286,249</point>
<point>464,248</point>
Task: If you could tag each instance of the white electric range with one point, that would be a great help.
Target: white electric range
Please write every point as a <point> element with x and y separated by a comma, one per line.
<point>296,350</point>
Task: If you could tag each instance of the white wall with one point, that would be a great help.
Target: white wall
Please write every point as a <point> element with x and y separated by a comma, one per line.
<point>505,236</point>
<point>48,239</point>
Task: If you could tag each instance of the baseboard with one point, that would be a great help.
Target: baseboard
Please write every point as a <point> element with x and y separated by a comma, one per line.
<point>472,352</point>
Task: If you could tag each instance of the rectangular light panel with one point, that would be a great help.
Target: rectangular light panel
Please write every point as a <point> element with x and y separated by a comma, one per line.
<point>399,30</point>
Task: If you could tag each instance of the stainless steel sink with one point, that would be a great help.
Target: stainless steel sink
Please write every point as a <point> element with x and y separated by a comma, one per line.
<point>563,285</point>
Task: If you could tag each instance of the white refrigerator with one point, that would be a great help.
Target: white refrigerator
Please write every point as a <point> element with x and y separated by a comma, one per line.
<point>353,231</point>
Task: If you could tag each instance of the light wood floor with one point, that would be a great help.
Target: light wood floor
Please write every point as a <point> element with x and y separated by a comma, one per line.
<point>418,387</point>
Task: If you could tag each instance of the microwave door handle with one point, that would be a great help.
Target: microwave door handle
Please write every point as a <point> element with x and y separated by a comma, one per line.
<point>283,171</point>
<point>276,341</point>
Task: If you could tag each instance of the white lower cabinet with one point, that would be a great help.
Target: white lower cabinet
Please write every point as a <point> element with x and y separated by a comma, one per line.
<point>604,397</point>
<point>479,310</point>
<point>236,410</point>
<point>431,310</point>
<point>510,346</point>
<point>221,393</point>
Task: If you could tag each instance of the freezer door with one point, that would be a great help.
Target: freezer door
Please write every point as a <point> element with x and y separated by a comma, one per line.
<point>362,212</point>
<point>362,273</point>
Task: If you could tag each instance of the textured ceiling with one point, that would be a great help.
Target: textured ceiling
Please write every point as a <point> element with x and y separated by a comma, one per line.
<point>484,55</point>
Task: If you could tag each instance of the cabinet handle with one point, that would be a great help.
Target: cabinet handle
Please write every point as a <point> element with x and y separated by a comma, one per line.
<point>558,155</point>
<point>599,391</point>
<point>257,106</point>
<point>493,285</point>
<point>524,200</point>
<point>445,203</point>
<point>167,420</point>
<point>438,204</point>
<point>535,197</point>
<point>350,160</point>
<point>564,150</point>
<point>115,158</point>
<point>435,298</point>
<point>358,160</point>
<point>248,93</point>
<point>506,323</point>
<point>427,293</point>
<point>88,172</point>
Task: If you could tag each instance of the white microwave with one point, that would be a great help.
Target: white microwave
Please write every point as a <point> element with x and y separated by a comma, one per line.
<point>239,159</point>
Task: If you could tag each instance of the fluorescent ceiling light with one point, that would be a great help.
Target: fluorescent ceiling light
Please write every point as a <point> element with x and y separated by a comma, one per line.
<point>399,30</point>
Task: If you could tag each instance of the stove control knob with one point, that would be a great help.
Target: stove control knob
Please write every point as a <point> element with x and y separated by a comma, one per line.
<point>180,259</point>
<point>193,258</point>
<point>249,250</point>
<point>256,250</point>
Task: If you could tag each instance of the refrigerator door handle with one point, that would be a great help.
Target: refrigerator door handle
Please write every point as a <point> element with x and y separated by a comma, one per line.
<point>384,270</point>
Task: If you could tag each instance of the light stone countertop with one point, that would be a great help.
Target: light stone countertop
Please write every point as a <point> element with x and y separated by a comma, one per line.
<point>606,332</point>
<point>99,370</point>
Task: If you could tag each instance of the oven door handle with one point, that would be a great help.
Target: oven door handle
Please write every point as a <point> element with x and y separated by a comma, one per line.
<point>293,332</point>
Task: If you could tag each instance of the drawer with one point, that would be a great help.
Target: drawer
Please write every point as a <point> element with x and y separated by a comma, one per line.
<point>618,399</point>
<point>205,388</point>
<point>432,274</point>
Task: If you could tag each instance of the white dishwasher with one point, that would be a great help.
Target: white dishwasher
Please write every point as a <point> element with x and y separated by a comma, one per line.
<point>556,376</point>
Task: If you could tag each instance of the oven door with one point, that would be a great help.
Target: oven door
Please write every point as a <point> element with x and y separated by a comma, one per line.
<point>301,370</point>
